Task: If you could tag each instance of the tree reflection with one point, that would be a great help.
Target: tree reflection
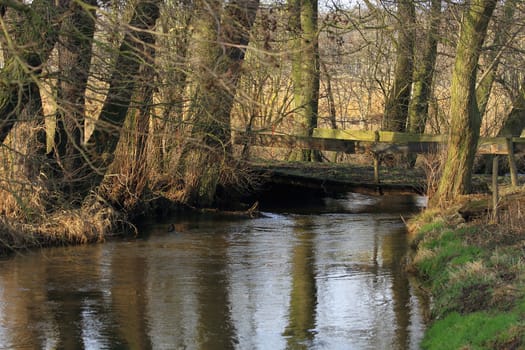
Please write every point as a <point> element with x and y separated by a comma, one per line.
<point>216,330</point>
<point>129,296</point>
<point>293,281</point>
<point>17,306</point>
<point>303,295</point>
<point>77,304</point>
<point>394,249</point>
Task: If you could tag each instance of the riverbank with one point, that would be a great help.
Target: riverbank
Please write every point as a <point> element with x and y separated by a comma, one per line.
<point>474,272</point>
<point>470,263</point>
<point>98,219</point>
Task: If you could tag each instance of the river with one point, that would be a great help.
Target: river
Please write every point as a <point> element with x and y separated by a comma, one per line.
<point>325,274</point>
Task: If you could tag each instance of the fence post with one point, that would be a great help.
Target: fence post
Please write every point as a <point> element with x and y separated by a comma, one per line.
<point>495,194</point>
<point>376,168</point>
<point>512,163</point>
<point>377,156</point>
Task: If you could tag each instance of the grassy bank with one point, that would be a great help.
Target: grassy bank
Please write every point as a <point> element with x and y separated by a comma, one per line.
<point>474,273</point>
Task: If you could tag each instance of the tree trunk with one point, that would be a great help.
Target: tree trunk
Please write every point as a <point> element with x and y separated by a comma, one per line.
<point>74,60</point>
<point>132,54</point>
<point>500,41</point>
<point>424,73</point>
<point>176,21</point>
<point>515,121</point>
<point>31,37</point>
<point>305,71</point>
<point>396,105</point>
<point>32,141</point>
<point>217,70</point>
<point>128,186</point>
<point>501,36</point>
<point>330,96</point>
<point>466,119</point>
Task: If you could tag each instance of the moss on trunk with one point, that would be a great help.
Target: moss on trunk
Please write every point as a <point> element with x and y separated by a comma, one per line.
<point>305,71</point>
<point>466,119</point>
<point>206,155</point>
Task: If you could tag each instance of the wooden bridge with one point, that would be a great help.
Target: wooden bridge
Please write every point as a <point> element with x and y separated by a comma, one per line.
<point>378,143</point>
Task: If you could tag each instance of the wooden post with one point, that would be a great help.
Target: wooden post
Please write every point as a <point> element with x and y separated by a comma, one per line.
<point>376,156</point>
<point>495,195</point>
<point>512,163</point>
<point>376,168</point>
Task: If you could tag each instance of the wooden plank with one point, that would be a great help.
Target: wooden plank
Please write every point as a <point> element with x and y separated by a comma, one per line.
<point>387,136</point>
<point>384,136</point>
<point>339,134</point>
<point>424,147</point>
<point>405,137</point>
<point>493,145</point>
<point>379,142</point>
<point>292,141</point>
<point>389,148</point>
<point>330,145</point>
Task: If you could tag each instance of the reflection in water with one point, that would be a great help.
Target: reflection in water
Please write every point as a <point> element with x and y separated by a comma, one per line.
<point>324,279</point>
<point>392,256</point>
<point>303,296</point>
<point>215,327</point>
<point>129,299</point>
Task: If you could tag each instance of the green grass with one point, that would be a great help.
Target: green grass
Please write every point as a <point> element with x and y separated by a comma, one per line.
<point>449,251</point>
<point>479,330</point>
<point>431,227</point>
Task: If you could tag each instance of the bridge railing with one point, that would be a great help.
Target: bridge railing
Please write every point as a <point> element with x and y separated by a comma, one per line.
<point>380,142</point>
<point>353,141</point>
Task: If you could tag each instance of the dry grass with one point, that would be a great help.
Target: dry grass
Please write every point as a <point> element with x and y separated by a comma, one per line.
<point>511,214</point>
<point>95,221</point>
<point>423,254</point>
<point>470,270</point>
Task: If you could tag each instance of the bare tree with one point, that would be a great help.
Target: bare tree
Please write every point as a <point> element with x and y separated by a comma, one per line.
<point>424,72</point>
<point>27,46</point>
<point>397,101</point>
<point>74,62</point>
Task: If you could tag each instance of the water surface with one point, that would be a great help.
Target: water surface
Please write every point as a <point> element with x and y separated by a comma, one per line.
<point>325,275</point>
